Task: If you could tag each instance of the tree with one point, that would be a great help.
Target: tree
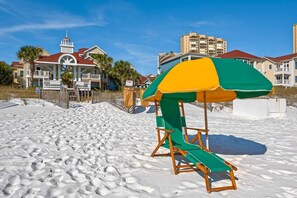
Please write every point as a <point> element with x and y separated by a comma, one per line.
<point>29,54</point>
<point>6,74</point>
<point>123,71</point>
<point>104,61</point>
<point>67,79</point>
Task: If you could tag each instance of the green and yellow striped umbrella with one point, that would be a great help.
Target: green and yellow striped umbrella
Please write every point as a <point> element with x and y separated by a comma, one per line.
<point>210,80</point>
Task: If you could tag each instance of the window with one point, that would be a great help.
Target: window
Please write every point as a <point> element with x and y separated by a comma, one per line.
<point>295,65</point>
<point>15,75</point>
<point>295,79</point>
<point>21,73</point>
<point>270,66</point>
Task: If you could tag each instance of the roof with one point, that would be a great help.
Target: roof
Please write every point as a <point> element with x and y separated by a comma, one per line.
<point>55,58</point>
<point>143,79</point>
<point>16,64</point>
<point>285,57</point>
<point>82,50</point>
<point>178,56</point>
<point>238,54</point>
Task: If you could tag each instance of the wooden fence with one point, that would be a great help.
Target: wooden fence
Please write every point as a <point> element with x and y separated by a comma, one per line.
<point>60,98</point>
<point>114,98</point>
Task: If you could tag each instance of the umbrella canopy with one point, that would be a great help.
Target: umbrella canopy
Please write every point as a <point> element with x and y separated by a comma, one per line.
<point>209,80</point>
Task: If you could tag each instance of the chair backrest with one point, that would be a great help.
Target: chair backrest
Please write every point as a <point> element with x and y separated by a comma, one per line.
<point>172,119</point>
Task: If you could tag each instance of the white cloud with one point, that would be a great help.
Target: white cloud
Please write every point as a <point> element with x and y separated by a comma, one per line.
<point>140,56</point>
<point>50,25</point>
<point>202,23</point>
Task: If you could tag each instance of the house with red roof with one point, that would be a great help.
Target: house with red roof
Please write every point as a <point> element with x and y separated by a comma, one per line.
<point>281,71</point>
<point>18,71</point>
<point>145,81</point>
<point>243,56</point>
<point>51,67</point>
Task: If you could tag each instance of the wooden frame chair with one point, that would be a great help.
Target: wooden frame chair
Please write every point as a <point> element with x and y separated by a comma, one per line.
<point>200,158</point>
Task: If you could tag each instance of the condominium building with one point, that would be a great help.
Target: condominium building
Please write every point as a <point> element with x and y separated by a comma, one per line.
<point>295,38</point>
<point>202,44</point>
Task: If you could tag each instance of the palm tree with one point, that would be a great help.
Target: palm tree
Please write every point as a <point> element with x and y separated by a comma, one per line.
<point>29,54</point>
<point>104,61</point>
<point>105,64</point>
<point>123,71</point>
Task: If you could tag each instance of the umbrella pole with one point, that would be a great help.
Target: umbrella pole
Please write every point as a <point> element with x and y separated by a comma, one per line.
<point>205,120</point>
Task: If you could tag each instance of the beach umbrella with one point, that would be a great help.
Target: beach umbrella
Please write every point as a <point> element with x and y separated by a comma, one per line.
<point>208,80</point>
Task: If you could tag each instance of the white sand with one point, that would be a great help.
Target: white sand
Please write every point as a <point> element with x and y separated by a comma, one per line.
<point>98,150</point>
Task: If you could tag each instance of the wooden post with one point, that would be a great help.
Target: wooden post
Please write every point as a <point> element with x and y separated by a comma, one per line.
<point>205,120</point>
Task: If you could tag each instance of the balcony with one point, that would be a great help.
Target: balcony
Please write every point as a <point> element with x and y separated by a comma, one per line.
<point>284,82</point>
<point>51,84</point>
<point>282,71</point>
<point>89,76</point>
<point>39,74</point>
<point>82,85</point>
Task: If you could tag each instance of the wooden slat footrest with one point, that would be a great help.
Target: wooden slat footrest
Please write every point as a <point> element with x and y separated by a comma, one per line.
<point>222,188</point>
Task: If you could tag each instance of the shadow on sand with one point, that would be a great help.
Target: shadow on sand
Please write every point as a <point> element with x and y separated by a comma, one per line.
<point>140,109</point>
<point>231,145</point>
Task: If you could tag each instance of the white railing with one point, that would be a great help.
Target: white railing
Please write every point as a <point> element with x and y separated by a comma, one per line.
<point>52,84</point>
<point>282,82</point>
<point>95,76</point>
<point>90,76</point>
<point>83,85</point>
<point>281,69</point>
<point>39,74</point>
<point>85,76</point>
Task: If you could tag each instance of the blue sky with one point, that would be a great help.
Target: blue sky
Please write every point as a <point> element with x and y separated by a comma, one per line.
<point>137,30</point>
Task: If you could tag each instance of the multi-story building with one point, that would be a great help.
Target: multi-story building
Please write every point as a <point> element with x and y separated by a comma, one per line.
<point>295,38</point>
<point>202,44</point>
<point>281,71</point>
<point>18,72</point>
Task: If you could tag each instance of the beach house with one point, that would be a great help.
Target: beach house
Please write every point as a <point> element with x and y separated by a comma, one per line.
<point>51,67</point>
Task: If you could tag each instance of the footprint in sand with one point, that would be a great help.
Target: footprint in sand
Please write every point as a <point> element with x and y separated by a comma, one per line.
<point>139,188</point>
<point>12,186</point>
<point>147,166</point>
<point>189,185</point>
<point>177,193</point>
<point>9,189</point>
<point>130,180</point>
<point>266,177</point>
<point>53,192</point>
<point>102,191</point>
<point>32,193</point>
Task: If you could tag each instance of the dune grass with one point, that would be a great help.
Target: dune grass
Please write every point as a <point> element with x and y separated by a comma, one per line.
<point>9,92</point>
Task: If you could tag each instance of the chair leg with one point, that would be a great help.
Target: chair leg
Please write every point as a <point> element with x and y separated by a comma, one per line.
<point>207,183</point>
<point>172,156</point>
<point>233,179</point>
<point>159,145</point>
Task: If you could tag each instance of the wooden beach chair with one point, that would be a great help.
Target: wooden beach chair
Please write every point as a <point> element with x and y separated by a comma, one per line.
<point>172,123</point>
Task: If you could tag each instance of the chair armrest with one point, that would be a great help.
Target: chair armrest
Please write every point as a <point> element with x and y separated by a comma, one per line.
<point>197,129</point>
<point>166,130</point>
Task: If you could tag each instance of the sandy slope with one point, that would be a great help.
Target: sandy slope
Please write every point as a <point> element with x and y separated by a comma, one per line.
<point>98,150</point>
